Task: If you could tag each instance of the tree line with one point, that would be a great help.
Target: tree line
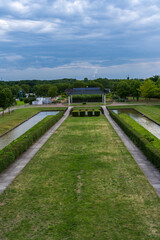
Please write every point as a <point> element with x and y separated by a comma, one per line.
<point>148,88</point>
<point>121,88</point>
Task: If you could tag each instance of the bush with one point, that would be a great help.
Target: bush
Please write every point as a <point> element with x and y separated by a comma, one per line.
<point>149,138</point>
<point>97,112</point>
<point>75,113</point>
<point>87,98</point>
<point>63,95</point>
<point>84,103</point>
<point>82,113</point>
<point>150,151</point>
<point>31,99</point>
<point>26,100</point>
<point>56,101</point>
<point>21,144</point>
<point>90,113</point>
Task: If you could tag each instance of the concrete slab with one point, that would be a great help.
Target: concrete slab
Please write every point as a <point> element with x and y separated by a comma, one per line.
<point>152,174</point>
<point>9,174</point>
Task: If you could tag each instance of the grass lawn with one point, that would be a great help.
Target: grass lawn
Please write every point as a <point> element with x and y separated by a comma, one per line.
<point>82,185</point>
<point>10,120</point>
<point>19,103</point>
<point>152,111</point>
<point>143,131</point>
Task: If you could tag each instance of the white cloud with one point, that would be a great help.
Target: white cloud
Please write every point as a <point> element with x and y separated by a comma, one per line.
<point>70,7</point>
<point>78,64</point>
<point>10,58</point>
<point>19,7</point>
<point>85,69</point>
<point>121,15</point>
<point>22,7</point>
<point>69,26</point>
<point>12,25</point>
<point>72,18</point>
<point>135,2</point>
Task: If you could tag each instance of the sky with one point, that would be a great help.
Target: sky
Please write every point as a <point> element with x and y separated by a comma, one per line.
<point>44,39</point>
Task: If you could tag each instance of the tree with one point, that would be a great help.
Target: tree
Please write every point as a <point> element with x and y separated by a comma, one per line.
<point>42,90</point>
<point>94,84</point>
<point>155,78</point>
<point>148,89</point>
<point>15,90</point>
<point>86,80</point>
<point>134,88</point>
<point>52,92</point>
<point>3,100</point>
<point>62,87</point>
<point>25,88</point>
<point>79,84</point>
<point>123,89</point>
<point>9,100</point>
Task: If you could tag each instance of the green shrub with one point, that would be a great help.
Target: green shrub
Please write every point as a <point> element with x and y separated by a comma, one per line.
<point>26,100</point>
<point>21,144</point>
<point>90,113</point>
<point>82,113</point>
<point>75,113</point>
<point>84,103</point>
<point>87,98</point>
<point>149,138</point>
<point>97,112</point>
<point>63,95</point>
<point>149,150</point>
<point>56,101</point>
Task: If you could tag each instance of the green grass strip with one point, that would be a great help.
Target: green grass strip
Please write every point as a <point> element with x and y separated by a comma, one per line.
<point>21,144</point>
<point>151,111</point>
<point>10,120</point>
<point>143,131</point>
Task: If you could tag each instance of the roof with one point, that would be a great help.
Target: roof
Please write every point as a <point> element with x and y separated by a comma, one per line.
<point>87,90</point>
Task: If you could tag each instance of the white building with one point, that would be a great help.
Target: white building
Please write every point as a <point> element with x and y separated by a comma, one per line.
<point>47,100</point>
<point>41,100</point>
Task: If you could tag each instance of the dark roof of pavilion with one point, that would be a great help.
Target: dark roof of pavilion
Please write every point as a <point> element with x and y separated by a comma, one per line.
<point>87,90</point>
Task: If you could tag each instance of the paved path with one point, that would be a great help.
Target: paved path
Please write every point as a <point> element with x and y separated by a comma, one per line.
<point>8,175</point>
<point>146,166</point>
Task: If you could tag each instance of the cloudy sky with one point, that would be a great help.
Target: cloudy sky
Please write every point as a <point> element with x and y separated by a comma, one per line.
<point>51,39</point>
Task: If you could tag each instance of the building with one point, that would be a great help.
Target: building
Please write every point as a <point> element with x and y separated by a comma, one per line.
<point>41,100</point>
<point>85,91</point>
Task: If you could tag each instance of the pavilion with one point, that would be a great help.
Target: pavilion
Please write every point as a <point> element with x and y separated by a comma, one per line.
<point>84,91</point>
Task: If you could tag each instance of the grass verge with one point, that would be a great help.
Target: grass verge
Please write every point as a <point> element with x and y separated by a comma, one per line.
<point>143,131</point>
<point>10,120</point>
<point>152,111</point>
<point>82,184</point>
<point>22,143</point>
<point>20,103</point>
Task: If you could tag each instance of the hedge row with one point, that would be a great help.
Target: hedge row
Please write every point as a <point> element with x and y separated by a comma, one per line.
<point>81,113</point>
<point>150,151</point>
<point>21,144</point>
<point>87,98</point>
